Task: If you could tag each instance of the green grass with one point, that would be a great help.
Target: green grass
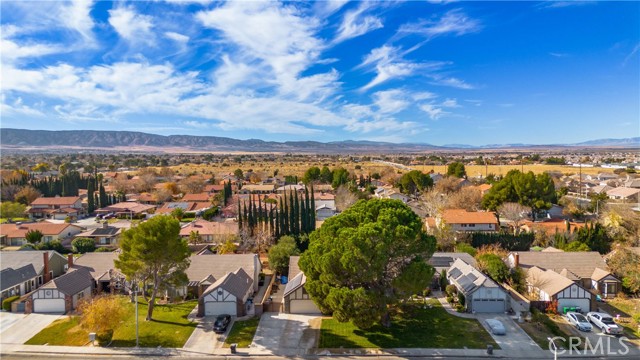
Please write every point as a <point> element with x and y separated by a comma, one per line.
<point>413,327</point>
<point>627,309</point>
<point>4,220</point>
<point>169,328</point>
<point>65,331</point>
<point>242,332</point>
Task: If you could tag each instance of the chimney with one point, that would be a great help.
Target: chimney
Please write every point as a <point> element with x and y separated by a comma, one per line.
<point>69,261</point>
<point>516,260</point>
<point>45,258</point>
<point>105,225</point>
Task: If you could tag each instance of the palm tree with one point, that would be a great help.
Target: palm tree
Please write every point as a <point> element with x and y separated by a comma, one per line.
<point>177,213</point>
<point>194,237</point>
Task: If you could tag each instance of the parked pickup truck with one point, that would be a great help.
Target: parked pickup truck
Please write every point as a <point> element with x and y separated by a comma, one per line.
<point>604,322</point>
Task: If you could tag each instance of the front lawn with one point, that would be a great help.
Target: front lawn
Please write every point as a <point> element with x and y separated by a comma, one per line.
<point>543,326</point>
<point>170,328</point>
<point>629,311</point>
<point>242,332</point>
<point>413,327</point>
<point>65,331</point>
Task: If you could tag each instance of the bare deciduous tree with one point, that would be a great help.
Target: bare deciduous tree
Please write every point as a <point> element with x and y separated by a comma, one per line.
<point>344,198</point>
<point>515,213</point>
<point>468,198</point>
<point>433,202</point>
<point>192,185</point>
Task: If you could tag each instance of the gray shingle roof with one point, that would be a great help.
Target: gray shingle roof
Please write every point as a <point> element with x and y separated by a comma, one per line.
<point>468,278</point>
<point>294,269</point>
<point>299,280</point>
<point>444,260</point>
<point>11,277</point>
<point>237,283</point>
<point>582,263</point>
<point>72,282</point>
<point>18,259</point>
<point>218,265</point>
<point>98,264</point>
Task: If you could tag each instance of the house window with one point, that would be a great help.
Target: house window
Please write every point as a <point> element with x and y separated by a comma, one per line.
<point>80,295</point>
<point>611,288</point>
<point>39,280</point>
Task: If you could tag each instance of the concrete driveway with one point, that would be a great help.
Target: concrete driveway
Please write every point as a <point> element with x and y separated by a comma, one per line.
<point>515,339</point>
<point>280,333</point>
<point>18,328</point>
<point>203,339</point>
<point>610,344</point>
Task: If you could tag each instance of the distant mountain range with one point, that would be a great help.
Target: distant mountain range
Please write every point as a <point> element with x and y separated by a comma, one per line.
<point>94,139</point>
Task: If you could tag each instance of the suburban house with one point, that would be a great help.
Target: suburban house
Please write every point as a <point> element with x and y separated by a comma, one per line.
<point>443,261</point>
<point>548,285</point>
<point>58,208</point>
<point>465,221</point>
<point>228,295</point>
<point>289,188</point>
<point>624,193</point>
<point>585,268</point>
<point>258,189</point>
<point>389,192</point>
<point>15,234</point>
<point>127,208</point>
<point>60,295</point>
<point>25,271</point>
<point>106,278</point>
<point>207,270</point>
<point>482,295</point>
<point>201,197</point>
<point>551,226</point>
<point>296,300</point>
<point>188,207</point>
<point>210,231</point>
<point>104,236</point>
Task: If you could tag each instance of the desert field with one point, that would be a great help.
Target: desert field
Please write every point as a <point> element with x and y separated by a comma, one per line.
<point>365,168</point>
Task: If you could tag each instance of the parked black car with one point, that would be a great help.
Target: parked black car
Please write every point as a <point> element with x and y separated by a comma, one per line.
<point>221,323</point>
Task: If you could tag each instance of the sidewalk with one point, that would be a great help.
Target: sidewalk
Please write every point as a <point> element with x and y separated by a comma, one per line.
<point>443,301</point>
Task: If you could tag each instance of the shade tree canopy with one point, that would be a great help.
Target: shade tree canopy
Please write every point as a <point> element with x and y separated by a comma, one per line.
<point>414,181</point>
<point>528,189</point>
<point>153,251</point>
<point>364,261</point>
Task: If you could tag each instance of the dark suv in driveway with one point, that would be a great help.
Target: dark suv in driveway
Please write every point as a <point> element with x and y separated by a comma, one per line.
<point>221,323</point>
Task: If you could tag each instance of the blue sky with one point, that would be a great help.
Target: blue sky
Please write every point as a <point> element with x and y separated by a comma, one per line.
<point>438,72</point>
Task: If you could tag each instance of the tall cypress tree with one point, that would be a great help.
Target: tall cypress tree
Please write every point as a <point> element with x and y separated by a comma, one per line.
<point>312,213</point>
<point>103,196</point>
<point>91,205</point>
<point>292,218</point>
<point>287,228</point>
<point>239,215</point>
<point>277,224</point>
<point>296,214</point>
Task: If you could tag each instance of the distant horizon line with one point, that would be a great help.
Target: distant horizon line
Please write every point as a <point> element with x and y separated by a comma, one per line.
<point>635,139</point>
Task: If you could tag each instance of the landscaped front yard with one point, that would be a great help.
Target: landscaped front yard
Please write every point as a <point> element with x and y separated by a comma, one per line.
<point>414,327</point>
<point>629,311</point>
<point>170,328</point>
<point>242,332</point>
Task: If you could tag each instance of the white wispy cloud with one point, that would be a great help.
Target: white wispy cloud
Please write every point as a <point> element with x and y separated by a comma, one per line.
<point>558,55</point>
<point>131,26</point>
<point>451,82</point>
<point>391,101</point>
<point>180,38</point>
<point>435,112</point>
<point>328,7</point>
<point>633,52</point>
<point>77,16</point>
<point>453,22</point>
<point>387,62</point>
<point>553,4</point>
<point>356,23</point>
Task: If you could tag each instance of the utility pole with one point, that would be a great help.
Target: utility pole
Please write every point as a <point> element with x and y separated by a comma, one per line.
<point>580,188</point>
<point>137,319</point>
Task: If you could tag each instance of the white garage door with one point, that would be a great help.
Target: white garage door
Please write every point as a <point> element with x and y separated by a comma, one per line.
<point>488,305</point>
<point>48,306</point>
<point>219,308</point>
<point>583,304</point>
<point>303,307</point>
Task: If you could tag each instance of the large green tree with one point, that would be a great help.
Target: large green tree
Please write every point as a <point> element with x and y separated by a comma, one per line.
<point>9,209</point>
<point>312,174</point>
<point>280,253</point>
<point>414,181</point>
<point>34,236</point>
<point>153,251</point>
<point>456,169</point>
<point>364,261</point>
<point>528,189</point>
